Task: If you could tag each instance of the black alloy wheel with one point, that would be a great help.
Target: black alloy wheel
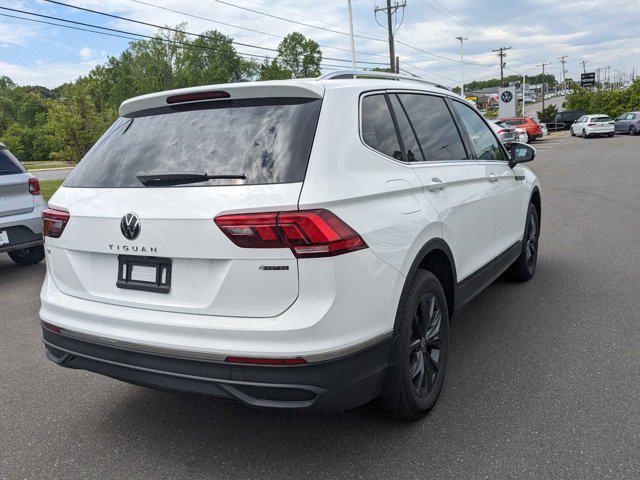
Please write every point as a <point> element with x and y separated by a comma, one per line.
<point>426,345</point>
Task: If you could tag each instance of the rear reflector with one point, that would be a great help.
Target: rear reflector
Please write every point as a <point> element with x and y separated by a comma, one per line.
<point>266,361</point>
<point>34,186</point>
<point>308,233</point>
<point>51,328</point>
<point>193,97</point>
<point>53,222</point>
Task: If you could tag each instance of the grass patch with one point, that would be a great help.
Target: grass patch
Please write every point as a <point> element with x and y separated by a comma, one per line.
<point>44,164</point>
<point>49,187</point>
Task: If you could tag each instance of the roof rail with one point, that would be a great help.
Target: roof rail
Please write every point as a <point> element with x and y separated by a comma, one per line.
<point>346,74</point>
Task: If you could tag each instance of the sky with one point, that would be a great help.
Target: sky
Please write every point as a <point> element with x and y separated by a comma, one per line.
<point>539,31</point>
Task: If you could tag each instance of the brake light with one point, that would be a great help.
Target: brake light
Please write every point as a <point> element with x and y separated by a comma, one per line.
<point>308,233</point>
<point>34,186</point>
<point>53,222</point>
<point>266,361</point>
<point>502,131</point>
<point>192,97</point>
<point>591,124</point>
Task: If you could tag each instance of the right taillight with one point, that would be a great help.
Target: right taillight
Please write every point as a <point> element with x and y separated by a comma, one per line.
<point>308,233</point>
<point>53,222</point>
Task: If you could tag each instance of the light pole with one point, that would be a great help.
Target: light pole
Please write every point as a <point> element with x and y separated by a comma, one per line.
<point>524,84</point>
<point>462,39</point>
<point>353,46</point>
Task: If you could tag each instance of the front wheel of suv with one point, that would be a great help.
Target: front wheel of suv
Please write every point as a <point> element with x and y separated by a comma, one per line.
<point>524,267</point>
<point>27,256</point>
<point>419,361</point>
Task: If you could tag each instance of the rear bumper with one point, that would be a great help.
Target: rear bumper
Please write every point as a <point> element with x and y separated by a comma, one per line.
<point>24,230</point>
<point>338,384</point>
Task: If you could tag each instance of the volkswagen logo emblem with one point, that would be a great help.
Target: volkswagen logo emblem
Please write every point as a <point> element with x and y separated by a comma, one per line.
<point>507,96</point>
<point>130,226</point>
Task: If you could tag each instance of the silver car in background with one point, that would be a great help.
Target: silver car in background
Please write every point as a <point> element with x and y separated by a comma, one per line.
<point>628,123</point>
<point>506,133</point>
<point>21,206</point>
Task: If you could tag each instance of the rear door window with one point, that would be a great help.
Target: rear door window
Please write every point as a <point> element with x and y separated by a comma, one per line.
<point>434,126</point>
<point>411,148</point>
<point>482,138</point>
<point>268,140</point>
<point>378,129</point>
<point>9,165</point>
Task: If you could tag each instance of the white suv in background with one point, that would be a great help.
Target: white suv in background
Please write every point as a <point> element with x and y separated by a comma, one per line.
<point>592,125</point>
<point>295,244</point>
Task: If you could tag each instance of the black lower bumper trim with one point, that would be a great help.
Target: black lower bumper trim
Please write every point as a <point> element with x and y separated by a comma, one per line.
<point>325,386</point>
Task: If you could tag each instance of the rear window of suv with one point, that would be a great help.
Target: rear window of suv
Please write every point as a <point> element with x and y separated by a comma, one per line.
<point>9,165</point>
<point>268,140</point>
<point>600,119</point>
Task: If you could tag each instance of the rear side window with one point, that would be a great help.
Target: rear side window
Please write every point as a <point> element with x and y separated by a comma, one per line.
<point>435,128</point>
<point>268,140</point>
<point>378,130</point>
<point>406,132</point>
<point>9,165</point>
<point>482,137</point>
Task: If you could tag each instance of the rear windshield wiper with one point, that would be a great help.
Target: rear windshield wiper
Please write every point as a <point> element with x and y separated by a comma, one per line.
<point>170,179</point>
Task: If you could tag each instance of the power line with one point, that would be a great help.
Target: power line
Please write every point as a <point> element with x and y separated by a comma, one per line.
<point>175,30</point>
<point>331,30</point>
<point>132,36</point>
<point>502,54</point>
<point>253,30</point>
<point>390,11</point>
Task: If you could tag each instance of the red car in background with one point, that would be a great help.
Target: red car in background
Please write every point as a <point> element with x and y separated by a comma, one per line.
<point>533,128</point>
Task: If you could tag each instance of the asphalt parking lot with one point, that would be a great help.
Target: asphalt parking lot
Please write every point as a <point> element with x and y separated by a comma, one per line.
<point>543,379</point>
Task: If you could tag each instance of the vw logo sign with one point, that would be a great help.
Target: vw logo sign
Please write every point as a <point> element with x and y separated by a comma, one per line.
<point>506,96</point>
<point>130,226</point>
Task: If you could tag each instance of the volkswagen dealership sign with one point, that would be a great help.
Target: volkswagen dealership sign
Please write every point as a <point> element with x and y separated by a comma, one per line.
<point>507,101</point>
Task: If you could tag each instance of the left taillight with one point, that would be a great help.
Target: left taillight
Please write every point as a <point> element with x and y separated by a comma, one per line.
<point>53,222</point>
<point>308,233</point>
<point>34,186</point>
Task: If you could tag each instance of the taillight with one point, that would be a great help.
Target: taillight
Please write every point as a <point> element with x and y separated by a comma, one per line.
<point>34,186</point>
<point>591,124</point>
<point>53,222</point>
<point>502,131</point>
<point>308,233</point>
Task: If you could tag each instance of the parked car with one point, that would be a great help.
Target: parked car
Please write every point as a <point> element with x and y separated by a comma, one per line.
<point>21,205</point>
<point>564,120</point>
<point>297,244</point>
<point>506,133</point>
<point>628,123</point>
<point>533,129</point>
<point>593,125</point>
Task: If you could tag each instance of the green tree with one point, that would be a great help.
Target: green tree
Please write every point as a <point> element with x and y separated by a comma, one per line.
<point>299,55</point>
<point>548,114</point>
<point>271,70</point>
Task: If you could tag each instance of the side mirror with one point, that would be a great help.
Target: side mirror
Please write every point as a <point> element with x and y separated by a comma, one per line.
<point>521,153</point>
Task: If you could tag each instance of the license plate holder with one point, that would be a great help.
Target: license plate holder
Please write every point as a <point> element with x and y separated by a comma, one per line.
<point>149,274</point>
<point>4,237</point>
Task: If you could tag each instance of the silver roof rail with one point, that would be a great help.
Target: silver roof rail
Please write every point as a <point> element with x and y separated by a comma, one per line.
<point>347,74</point>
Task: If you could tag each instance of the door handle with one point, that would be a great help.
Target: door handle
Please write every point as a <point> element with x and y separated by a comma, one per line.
<point>436,185</point>
<point>493,178</point>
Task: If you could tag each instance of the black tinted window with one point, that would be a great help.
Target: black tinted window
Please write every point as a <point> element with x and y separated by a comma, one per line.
<point>434,125</point>
<point>482,137</point>
<point>9,165</point>
<point>378,130</point>
<point>268,140</point>
<point>411,147</point>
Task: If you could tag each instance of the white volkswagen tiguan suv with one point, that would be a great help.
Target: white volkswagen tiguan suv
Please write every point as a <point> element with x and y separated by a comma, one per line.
<point>295,244</point>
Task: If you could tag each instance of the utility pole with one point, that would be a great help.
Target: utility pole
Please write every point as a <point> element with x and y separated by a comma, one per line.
<point>502,54</point>
<point>353,44</point>
<point>563,60</point>
<point>462,39</point>
<point>391,10</point>
<point>544,83</point>
<point>584,66</point>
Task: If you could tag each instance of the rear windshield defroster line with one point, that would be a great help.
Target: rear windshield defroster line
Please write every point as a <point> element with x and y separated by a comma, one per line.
<point>269,140</point>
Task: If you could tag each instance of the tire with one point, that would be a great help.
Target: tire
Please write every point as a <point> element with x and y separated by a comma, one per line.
<point>419,359</point>
<point>584,134</point>
<point>524,268</point>
<point>609,135</point>
<point>632,130</point>
<point>526,139</point>
<point>572,134</point>
<point>27,256</point>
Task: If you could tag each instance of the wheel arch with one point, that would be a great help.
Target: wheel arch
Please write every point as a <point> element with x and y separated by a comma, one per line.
<point>536,199</point>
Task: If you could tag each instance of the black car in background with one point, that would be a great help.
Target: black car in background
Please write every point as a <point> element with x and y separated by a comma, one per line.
<point>564,120</point>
